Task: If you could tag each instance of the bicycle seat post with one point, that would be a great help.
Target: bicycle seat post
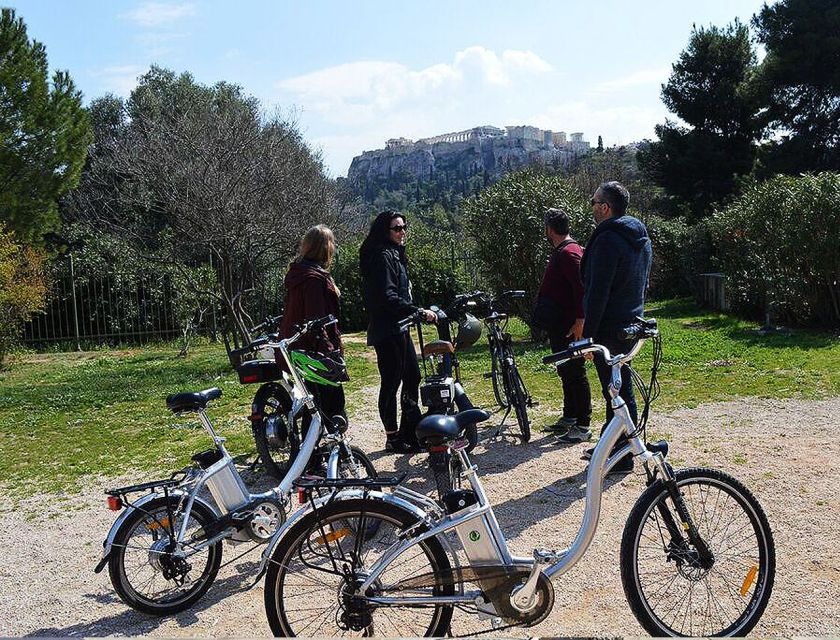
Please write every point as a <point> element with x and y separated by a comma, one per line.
<point>205,422</point>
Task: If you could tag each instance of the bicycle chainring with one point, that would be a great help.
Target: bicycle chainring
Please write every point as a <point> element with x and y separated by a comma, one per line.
<point>500,597</point>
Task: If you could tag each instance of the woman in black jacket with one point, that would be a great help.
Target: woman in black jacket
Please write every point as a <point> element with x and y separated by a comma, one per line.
<point>387,297</point>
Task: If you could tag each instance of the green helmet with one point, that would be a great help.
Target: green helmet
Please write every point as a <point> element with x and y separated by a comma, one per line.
<point>319,368</point>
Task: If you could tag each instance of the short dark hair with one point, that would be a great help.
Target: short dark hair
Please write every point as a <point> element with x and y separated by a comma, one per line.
<point>557,220</point>
<point>615,195</point>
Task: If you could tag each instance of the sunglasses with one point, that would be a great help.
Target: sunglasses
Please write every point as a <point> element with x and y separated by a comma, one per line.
<point>399,227</point>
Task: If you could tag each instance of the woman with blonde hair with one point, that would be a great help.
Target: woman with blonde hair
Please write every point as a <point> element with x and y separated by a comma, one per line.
<point>311,293</point>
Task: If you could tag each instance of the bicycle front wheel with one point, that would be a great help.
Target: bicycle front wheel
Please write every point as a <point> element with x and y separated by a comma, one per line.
<point>352,462</point>
<point>315,569</point>
<point>499,387</point>
<point>668,589</point>
<point>519,400</point>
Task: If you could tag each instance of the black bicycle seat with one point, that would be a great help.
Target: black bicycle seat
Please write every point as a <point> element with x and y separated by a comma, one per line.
<point>178,402</point>
<point>438,426</point>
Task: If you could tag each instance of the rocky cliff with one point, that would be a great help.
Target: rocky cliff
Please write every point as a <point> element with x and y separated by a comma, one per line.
<point>485,150</point>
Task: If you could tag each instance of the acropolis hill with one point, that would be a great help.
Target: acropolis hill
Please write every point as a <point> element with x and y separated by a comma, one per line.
<point>489,149</point>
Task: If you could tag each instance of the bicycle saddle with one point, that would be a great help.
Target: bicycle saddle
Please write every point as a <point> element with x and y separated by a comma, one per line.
<point>438,426</point>
<point>187,401</point>
<point>437,346</point>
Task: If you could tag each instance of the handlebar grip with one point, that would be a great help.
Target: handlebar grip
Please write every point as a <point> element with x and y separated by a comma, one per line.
<point>566,354</point>
<point>572,351</point>
<point>640,329</point>
<point>323,322</point>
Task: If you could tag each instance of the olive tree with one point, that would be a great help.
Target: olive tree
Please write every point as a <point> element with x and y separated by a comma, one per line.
<point>197,174</point>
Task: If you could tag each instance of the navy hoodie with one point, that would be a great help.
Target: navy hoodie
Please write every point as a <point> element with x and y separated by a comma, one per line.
<point>615,270</point>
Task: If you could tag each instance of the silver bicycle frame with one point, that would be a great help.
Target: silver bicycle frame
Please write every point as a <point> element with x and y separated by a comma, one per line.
<point>300,399</point>
<point>601,462</point>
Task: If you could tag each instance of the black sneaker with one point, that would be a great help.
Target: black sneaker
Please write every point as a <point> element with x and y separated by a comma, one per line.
<point>576,434</point>
<point>587,455</point>
<point>398,445</point>
<point>561,426</point>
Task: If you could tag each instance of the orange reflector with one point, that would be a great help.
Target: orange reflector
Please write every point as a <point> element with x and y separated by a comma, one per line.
<point>114,503</point>
<point>163,524</point>
<point>301,495</point>
<point>332,537</point>
<point>748,581</point>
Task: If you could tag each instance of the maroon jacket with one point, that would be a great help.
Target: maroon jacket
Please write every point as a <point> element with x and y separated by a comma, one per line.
<point>562,283</point>
<point>311,294</point>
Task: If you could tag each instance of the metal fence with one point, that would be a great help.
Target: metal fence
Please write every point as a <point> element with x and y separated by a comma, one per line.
<point>83,309</point>
<point>87,309</point>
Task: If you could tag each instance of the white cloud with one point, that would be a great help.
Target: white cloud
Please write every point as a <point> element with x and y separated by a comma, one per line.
<point>157,44</point>
<point>617,124</point>
<point>357,106</point>
<point>363,92</point>
<point>644,77</point>
<point>156,14</point>
<point>119,79</point>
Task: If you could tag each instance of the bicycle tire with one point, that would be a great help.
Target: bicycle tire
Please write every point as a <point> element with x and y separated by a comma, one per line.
<point>296,553</point>
<point>270,399</point>
<point>345,470</point>
<point>747,519</point>
<point>495,375</point>
<point>152,515</point>
<point>519,400</point>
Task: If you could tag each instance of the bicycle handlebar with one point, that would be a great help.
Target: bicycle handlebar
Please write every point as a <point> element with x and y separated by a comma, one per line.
<point>300,331</point>
<point>639,331</point>
<point>271,321</point>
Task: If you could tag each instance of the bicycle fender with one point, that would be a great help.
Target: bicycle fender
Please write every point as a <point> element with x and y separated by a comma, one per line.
<point>112,534</point>
<point>351,494</point>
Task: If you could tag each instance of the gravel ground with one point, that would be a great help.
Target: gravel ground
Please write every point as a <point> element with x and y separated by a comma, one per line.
<point>787,452</point>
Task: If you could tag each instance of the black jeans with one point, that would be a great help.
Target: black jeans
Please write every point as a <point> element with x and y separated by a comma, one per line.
<point>577,396</point>
<point>616,346</point>
<point>330,400</point>
<point>397,363</point>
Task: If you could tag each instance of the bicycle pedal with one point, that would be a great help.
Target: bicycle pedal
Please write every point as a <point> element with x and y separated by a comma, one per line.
<point>533,403</point>
<point>487,376</point>
<point>547,555</point>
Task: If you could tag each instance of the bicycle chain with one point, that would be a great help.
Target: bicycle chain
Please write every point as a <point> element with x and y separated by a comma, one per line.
<point>481,633</point>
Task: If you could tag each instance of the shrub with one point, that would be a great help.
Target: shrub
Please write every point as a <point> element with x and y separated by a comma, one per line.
<point>779,245</point>
<point>436,271</point>
<point>505,223</point>
<point>680,252</point>
<point>22,287</point>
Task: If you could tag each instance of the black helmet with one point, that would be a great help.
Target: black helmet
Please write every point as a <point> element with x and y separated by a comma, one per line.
<point>469,331</point>
<point>326,369</point>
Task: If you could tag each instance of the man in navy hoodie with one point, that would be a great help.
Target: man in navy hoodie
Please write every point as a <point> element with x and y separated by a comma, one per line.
<point>615,268</point>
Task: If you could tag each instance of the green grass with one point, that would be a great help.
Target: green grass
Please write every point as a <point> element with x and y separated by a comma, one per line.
<point>64,416</point>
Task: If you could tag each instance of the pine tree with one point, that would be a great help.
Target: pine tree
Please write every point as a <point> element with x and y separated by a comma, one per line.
<point>44,134</point>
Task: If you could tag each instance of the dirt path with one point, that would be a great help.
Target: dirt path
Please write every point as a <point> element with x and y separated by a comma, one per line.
<point>786,451</point>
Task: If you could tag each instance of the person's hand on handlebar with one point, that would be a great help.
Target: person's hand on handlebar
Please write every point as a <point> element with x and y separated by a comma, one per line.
<point>428,316</point>
<point>576,332</point>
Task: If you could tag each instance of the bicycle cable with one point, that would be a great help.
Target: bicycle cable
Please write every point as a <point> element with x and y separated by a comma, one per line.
<point>649,392</point>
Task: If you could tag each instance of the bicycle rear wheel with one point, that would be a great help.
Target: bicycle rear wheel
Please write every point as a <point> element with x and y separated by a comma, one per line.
<point>314,570</point>
<point>146,574</point>
<point>669,591</point>
<point>276,441</point>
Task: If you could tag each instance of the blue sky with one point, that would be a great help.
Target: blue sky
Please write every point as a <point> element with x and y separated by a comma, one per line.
<point>356,73</point>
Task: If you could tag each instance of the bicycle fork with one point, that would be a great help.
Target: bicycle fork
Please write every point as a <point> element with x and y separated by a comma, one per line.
<point>705,556</point>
